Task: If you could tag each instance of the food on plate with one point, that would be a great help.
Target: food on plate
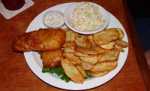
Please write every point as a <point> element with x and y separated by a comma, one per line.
<point>51,58</point>
<point>98,74</point>
<point>53,19</point>
<point>83,41</point>
<point>90,59</point>
<point>82,71</point>
<point>89,51</point>
<point>69,47</point>
<point>109,46</point>
<point>86,16</point>
<point>121,44</point>
<point>70,36</point>
<point>105,66</point>
<point>86,65</point>
<point>73,56</point>
<point>121,34</point>
<point>111,55</point>
<point>71,71</point>
<point>106,36</point>
<point>41,40</point>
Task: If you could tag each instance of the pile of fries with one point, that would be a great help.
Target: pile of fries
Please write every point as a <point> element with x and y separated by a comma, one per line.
<point>83,55</point>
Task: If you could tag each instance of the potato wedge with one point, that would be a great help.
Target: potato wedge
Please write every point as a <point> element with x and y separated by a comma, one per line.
<point>83,41</point>
<point>51,58</point>
<point>82,71</point>
<point>121,44</point>
<point>70,36</point>
<point>91,40</point>
<point>71,71</point>
<point>121,34</point>
<point>108,46</point>
<point>72,58</point>
<point>79,54</point>
<point>98,74</point>
<point>90,59</point>
<point>106,66</point>
<point>100,50</point>
<point>69,47</point>
<point>111,55</point>
<point>106,36</point>
<point>87,66</point>
<point>88,51</point>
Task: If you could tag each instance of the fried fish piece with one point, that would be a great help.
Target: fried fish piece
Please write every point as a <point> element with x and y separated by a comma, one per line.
<point>41,40</point>
<point>51,58</point>
<point>106,36</point>
<point>71,71</point>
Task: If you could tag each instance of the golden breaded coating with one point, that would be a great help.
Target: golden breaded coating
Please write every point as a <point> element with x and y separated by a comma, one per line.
<point>41,40</point>
<point>51,58</point>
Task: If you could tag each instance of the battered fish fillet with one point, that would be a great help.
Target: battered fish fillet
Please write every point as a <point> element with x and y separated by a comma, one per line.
<point>51,58</point>
<point>41,40</point>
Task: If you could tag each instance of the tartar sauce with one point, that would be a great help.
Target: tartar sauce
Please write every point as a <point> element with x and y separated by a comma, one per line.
<point>53,19</point>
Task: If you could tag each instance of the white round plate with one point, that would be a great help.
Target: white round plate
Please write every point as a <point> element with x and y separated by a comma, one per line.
<point>35,63</point>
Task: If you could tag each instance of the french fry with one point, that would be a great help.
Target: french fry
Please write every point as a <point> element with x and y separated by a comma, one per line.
<point>72,58</point>
<point>121,44</point>
<point>108,46</point>
<point>106,36</point>
<point>89,51</point>
<point>70,36</point>
<point>106,66</point>
<point>98,74</point>
<point>111,55</point>
<point>83,41</point>
<point>82,71</point>
<point>90,59</point>
<point>71,71</point>
<point>87,66</point>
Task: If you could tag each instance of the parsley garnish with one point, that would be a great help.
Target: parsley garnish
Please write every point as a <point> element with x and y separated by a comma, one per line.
<point>58,71</point>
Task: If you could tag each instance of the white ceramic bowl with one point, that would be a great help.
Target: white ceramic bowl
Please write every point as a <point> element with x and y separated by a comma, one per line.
<point>104,16</point>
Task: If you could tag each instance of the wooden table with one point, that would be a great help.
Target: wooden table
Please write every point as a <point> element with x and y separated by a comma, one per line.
<point>15,74</point>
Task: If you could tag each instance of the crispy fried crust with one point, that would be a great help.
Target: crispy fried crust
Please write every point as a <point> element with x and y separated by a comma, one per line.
<point>41,40</point>
<point>51,58</point>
